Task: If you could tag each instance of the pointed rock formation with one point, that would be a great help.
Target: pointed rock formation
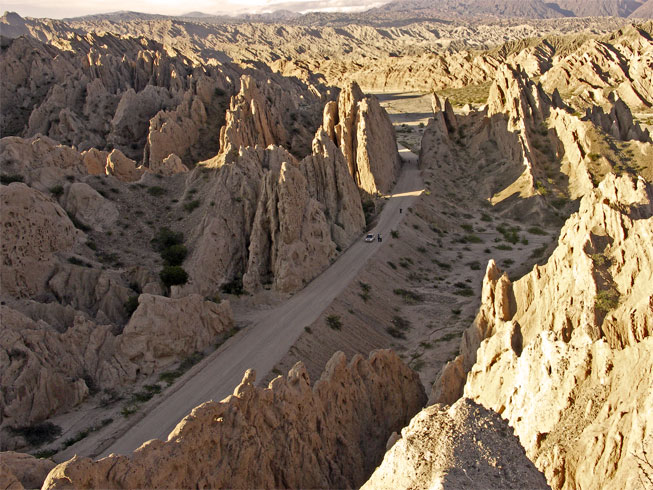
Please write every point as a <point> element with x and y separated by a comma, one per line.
<point>330,435</point>
<point>618,122</point>
<point>360,127</point>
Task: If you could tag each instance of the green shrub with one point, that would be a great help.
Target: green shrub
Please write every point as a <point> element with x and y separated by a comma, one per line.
<point>174,254</point>
<point>57,190</point>
<point>131,304</point>
<point>606,300</point>
<point>536,230</point>
<point>394,234</point>
<point>38,434</point>
<point>173,275</point>
<point>190,206</point>
<point>408,296</point>
<point>165,238</point>
<point>156,191</point>
<point>334,322</point>
<point>235,286</point>
<point>368,208</point>
<point>7,179</point>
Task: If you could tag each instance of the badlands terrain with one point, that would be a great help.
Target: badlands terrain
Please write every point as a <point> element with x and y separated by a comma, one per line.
<point>186,296</point>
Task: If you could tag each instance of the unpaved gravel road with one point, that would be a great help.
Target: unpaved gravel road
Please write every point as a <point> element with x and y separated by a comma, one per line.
<point>261,345</point>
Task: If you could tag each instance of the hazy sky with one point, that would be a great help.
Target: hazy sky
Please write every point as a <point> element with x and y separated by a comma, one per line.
<point>71,8</point>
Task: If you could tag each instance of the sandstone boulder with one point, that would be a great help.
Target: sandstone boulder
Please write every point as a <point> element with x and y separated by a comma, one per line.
<point>123,168</point>
<point>170,165</point>
<point>289,435</point>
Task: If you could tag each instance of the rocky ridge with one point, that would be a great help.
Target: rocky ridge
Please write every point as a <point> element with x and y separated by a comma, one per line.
<point>566,344</point>
<point>331,434</point>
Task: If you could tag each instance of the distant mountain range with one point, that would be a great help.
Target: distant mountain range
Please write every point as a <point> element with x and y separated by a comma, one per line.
<point>416,10</point>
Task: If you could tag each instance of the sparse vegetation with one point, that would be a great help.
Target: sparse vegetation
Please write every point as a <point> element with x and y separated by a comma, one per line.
<point>606,300</point>
<point>7,179</point>
<point>56,191</point>
<point>408,296</point>
<point>536,230</point>
<point>235,286</point>
<point>169,377</point>
<point>38,434</point>
<point>131,304</point>
<point>334,322</point>
<point>394,234</point>
<point>156,191</point>
<point>190,206</point>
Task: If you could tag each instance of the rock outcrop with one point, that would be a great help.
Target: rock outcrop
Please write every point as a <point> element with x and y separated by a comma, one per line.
<point>47,367</point>
<point>88,207</point>
<point>330,435</point>
<point>34,228</point>
<point>574,336</point>
<point>286,218</point>
<point>19,471</point>
<point>464,446</point>
<point>362,130</point>
<point>618,122</point>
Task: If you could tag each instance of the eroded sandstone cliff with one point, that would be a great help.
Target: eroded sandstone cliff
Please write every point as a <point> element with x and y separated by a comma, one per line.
<point>288,435</point>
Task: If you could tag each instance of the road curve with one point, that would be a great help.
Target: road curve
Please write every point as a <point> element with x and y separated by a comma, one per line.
<point>261,345</point>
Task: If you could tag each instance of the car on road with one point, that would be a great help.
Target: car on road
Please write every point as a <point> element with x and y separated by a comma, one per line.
<point>369,237</point>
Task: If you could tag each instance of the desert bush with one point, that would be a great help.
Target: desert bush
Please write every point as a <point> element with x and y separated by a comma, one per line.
<point>173,275</point>
<point>190,206</point>
<point>235,286</point>
<point>131,304</point>
<point>408,296</point>
<point>165,238</point>
<point>38,434</point>
<point>334,322</point>
<point>174,254</point>
<point>7,179</point>
<point>156,191</point>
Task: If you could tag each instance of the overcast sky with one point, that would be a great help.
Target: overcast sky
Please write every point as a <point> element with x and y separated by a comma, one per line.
<point>72,8</point>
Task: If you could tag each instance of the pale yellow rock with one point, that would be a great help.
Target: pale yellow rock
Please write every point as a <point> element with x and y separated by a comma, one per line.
<point>123,168</point>
<point>362,130</point>
<point>170,165</point>
<point>575,356</point>
<point>291,434</point>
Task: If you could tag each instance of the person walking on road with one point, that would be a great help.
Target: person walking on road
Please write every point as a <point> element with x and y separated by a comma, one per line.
<point>378,237</point>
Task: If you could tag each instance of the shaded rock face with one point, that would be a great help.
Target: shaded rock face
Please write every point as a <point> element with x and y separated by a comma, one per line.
<point>330,435</point>
<point>463,446</point>
<point>573,336</point>
<point>47,367</point>
<point>20,470</point>
<point>618,122</point>
<point>360,127</point>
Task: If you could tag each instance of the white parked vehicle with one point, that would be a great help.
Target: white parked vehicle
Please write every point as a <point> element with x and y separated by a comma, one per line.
<point>369,237</point>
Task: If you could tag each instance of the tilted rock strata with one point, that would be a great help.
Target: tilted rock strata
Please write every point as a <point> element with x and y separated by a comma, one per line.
<point>574,335</point>
<point>463,446</point>
<point>330,435</point>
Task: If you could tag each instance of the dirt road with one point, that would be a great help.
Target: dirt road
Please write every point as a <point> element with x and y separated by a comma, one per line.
<point>261,345</point>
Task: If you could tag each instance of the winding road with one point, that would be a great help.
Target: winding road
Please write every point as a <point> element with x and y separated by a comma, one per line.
<point>261,345</point>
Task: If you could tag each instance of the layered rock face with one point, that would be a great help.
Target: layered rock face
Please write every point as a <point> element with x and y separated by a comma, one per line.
<point>573,336</point>
<point>289,435</point>
<point>618,122</point>
<point>361,129</point>
<point>463,446</point>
